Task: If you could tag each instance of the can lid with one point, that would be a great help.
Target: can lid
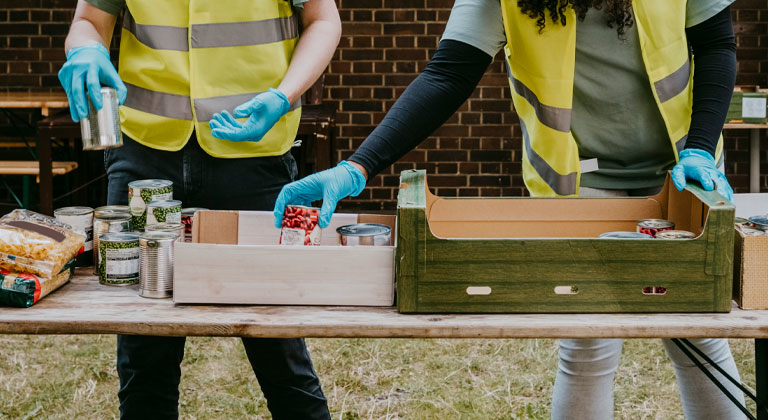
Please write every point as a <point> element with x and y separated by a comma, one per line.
<point>676,234</point>
<point>112,209</point>
<point>760,222</point>
<point>364,229</point>
<point>159,236</point>
<point>165,203</point>
<point>165,227</point>
<point>624,235</point>
<point>655,223</point>
<point>113,217</point>
<point>150,183</point>
<point>190,211</point>
<point>73,211</point>
<point>119,237</point>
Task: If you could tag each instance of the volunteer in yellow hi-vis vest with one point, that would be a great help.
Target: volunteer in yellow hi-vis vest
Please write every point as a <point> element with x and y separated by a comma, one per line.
<point>609,100</point>
<point>210,94</point>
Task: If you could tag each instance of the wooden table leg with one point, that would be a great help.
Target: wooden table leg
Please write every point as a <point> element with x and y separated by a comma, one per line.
<point>754,160</point>
<point>46,170</point>
<point>761,377</point>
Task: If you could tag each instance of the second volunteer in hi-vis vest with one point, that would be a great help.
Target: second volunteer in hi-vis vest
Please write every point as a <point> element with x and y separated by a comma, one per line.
<point>186,57</point>
<point>541,74</point>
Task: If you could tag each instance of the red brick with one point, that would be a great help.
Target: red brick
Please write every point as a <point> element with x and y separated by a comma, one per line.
<point>403,28</point>
<point>361,54</point>
<point>19,29</point>
<point>490,155</point>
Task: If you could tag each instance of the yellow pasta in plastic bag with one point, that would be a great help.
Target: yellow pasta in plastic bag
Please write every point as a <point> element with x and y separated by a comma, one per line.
<point>33,243</point>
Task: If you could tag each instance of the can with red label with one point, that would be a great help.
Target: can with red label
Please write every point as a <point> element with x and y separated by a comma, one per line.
<point>654,226</point>
<point>300,226</point>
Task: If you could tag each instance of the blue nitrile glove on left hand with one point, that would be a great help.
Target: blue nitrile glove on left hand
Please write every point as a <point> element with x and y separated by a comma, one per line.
<point>699,165</point>
<point>263,111</point>
<point>330,185</point>
<point>89,66</point>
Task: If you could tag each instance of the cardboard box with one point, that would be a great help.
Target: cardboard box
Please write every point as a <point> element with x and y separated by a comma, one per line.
<point>543,255</point>
<point>750,262</point>
<point>235,258</point>
<point>749,104</point>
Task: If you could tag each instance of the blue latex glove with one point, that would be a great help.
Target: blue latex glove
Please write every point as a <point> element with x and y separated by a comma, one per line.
<point>699,165</point>
<point>330,185</point>
<point>88,66</point>
<point>263,111</point>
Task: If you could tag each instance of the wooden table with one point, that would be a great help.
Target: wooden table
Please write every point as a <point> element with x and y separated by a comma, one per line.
<point>85,307</point>
<point>46,101</point>
<point>754,152</point>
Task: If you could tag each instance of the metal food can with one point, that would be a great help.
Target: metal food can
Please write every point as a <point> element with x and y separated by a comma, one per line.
<point>107,223</point>
<point>653,226</point>
<point>156,256</point>
<point>675,234</point>
<point>176,228</point>
<point>81,219</point>
<point>115,209</point>
<point>187,219</point>
<point>101,129</point>
<point>165,211</point>
<point>365,234</point>
<point>759,222</point>
<point>119,261</point>
<point>624,235</point>
<point>141,193</point>
<point>300,226</point>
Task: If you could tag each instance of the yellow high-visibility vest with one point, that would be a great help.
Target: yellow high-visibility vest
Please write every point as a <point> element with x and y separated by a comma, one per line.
<point>184,60</point>
<point>541,74</point>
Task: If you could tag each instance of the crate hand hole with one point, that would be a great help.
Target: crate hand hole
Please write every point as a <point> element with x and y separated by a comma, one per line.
<point>654,290</point>
<point>566,290</point>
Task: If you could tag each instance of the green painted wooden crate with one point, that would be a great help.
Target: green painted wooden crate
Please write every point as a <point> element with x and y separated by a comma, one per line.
<point>498,255</point>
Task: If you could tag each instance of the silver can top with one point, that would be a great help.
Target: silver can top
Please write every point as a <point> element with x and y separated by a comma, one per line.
<point>364,229</point>
<point>113,217</point>
<point>624,235</point>
<point>73,211</point>
<point>164,204</point>
<point>111,210</point>
<point>150,183</point>
<point>158,236</point>
<point>119,237</point>
<point>675,234</point>
<point>165,227</point>
<point>656,224</point>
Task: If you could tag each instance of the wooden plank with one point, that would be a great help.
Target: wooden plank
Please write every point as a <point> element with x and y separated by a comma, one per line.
<point>732,126</point>
<point>32,167</point>
<point>33,100</point>
<point>86,307</point>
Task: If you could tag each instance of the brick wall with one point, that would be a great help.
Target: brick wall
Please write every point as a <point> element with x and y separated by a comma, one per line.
<point>385,44</point>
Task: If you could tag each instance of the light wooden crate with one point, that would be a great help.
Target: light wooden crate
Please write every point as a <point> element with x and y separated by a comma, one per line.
<point>235,259</point>
<point>543,255</point>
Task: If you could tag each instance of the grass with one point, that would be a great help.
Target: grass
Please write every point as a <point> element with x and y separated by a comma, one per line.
<point>73,377</point>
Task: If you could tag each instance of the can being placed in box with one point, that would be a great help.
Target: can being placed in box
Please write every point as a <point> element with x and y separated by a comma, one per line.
<point>653,226</point>
<point>364,234</point>
<point>164,211</point>
<point>80,218</point>
<point>107,222</point>
<point>119,261</point>
<point>143,192</point>
<point>300,226</point>
<point>187,219</point>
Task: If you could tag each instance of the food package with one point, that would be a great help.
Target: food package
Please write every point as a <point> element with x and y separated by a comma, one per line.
<point>22,290</point>
<point>37,244</point>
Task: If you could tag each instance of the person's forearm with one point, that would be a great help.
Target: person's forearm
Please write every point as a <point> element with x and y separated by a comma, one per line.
<point>89,26</point>
<point>317,43</point>
<point>448,80</point>
<point>714,74</point>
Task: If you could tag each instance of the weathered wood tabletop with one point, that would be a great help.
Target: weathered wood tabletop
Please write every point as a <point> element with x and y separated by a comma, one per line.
<point>85,307</point>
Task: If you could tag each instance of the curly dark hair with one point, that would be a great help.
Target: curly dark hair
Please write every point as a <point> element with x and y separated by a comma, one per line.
<point>617,12</point>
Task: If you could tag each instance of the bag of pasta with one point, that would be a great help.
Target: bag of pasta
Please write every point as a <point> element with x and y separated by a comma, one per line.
<point>22,290</point>
<point>36,244</point>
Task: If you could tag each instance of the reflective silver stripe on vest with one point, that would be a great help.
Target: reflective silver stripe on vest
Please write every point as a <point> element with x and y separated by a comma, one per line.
<point>206,107</point>
<point>680,144</point>
<point>560,184</point>
<point>674,84</point>
<point>158,103</point>
<point>157,36</point>
<point>556,118</point>
<point>236,34</point>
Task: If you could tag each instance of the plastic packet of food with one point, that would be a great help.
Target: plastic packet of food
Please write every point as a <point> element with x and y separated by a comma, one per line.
<point>36,244</point>
<point>22,290</point>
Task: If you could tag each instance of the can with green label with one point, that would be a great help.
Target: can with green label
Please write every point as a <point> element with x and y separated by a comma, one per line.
<point>164,211</point>
<point>119,259</point>
<point>141,193</point>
